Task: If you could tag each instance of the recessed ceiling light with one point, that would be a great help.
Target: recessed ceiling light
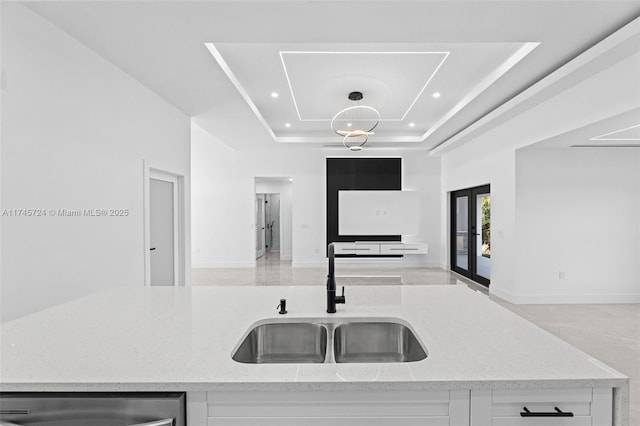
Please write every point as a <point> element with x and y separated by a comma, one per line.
<point>349,124</point>
<point>287,124</point>
<point>436,95</point>
<point>412,124</point>
<point>274,94</point>
<point>290,179</point>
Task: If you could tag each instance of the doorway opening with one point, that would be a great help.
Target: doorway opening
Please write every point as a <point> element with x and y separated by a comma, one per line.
<point>268,224</point>
<point>273,201</point>
<point>260,225</point>
<point>470,240</point>
<point>272,222</point>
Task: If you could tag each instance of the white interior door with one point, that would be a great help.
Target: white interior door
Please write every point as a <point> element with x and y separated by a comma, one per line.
<point>162,201</point>
<point>260,224</point>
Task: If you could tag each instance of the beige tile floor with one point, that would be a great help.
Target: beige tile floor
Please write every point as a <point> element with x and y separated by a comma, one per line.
<point>610,333</point>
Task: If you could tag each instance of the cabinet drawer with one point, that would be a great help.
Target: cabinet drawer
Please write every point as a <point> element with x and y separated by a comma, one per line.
<point>367,249</point>
<point>507,406</point>
<point>344,248</point>
<point>392,249</point>
<point>416,248</point>
<point>590,407</point>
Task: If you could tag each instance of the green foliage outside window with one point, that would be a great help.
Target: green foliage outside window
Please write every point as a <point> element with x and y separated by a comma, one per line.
<point>486,220</point>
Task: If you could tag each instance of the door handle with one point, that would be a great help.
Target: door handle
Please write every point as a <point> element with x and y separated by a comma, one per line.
<point>163,422</point>
<point>152,248</point>
<point>557,413</point>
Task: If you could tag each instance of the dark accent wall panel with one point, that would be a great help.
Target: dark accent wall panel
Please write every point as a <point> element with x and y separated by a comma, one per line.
<point>359,174</point>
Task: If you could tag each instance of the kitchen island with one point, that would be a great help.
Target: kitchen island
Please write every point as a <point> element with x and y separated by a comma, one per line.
<point>484,363</point>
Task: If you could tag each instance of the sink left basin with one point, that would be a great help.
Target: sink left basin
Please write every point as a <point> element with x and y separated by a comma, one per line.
<point>283,342</point>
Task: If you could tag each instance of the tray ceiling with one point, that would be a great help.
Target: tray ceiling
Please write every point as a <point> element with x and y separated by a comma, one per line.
<point>415,87</point>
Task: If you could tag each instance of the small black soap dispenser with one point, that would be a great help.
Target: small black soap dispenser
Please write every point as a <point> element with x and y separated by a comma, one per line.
<point>282,306</point>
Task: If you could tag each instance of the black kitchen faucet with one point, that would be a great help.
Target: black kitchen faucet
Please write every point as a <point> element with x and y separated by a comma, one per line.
<point>332,299</point>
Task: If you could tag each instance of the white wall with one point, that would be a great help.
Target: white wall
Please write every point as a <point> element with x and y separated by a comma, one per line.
<point>470,166</point>
<point>285,189</point>
<point>75,132</point>
<point>578,213</point>
<point>222,205</point>
<point>223,200</point>
<point>488,156</point>
<point>574,180</point>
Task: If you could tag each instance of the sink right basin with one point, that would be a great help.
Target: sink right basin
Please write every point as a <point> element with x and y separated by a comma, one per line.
<point>364,342</point>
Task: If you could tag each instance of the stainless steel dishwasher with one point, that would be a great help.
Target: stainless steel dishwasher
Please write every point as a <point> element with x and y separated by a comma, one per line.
<point>92,409</point>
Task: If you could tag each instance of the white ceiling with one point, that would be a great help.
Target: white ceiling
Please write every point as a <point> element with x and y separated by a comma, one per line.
<point>399,80</point>
<point>162,45</point>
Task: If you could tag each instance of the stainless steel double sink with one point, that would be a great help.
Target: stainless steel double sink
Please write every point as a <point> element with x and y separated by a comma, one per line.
<point>345,340</point>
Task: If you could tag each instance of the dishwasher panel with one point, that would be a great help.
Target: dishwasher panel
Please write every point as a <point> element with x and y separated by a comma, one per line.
<point>92,408</point>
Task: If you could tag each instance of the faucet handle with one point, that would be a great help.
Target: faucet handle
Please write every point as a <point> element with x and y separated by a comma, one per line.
<point>341,299</point>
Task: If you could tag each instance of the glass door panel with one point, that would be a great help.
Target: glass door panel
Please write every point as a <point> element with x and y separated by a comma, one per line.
<point>483,235</point>
<point>471,233</point>
<point>462,232</point>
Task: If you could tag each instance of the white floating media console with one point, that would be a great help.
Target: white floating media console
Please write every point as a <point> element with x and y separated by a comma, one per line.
<point>380,248</point>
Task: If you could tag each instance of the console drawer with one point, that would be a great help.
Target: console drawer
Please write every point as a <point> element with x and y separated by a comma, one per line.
<point>367,249</point>
<point>344,248</point>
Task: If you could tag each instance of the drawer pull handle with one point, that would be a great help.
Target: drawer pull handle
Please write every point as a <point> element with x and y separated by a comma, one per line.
<point>557,413</point>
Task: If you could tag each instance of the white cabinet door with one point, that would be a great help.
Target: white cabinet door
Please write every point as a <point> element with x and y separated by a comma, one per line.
<point>339,408</point>
<point>330,421</point>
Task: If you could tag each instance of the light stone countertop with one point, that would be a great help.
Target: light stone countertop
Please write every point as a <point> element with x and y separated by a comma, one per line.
<point>181,339</point>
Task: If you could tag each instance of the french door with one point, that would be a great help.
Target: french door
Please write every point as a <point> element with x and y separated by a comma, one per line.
<point>470,240</point>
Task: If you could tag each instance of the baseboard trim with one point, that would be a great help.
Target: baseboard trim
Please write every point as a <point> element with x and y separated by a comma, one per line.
<point>502,294</point>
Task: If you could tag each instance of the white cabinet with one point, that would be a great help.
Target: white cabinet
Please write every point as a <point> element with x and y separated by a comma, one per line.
<point>592,407</point>
<point>335,408</point>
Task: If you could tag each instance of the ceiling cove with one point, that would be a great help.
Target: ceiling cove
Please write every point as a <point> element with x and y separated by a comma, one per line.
<point>295,89</point>
<point>631,133</point>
